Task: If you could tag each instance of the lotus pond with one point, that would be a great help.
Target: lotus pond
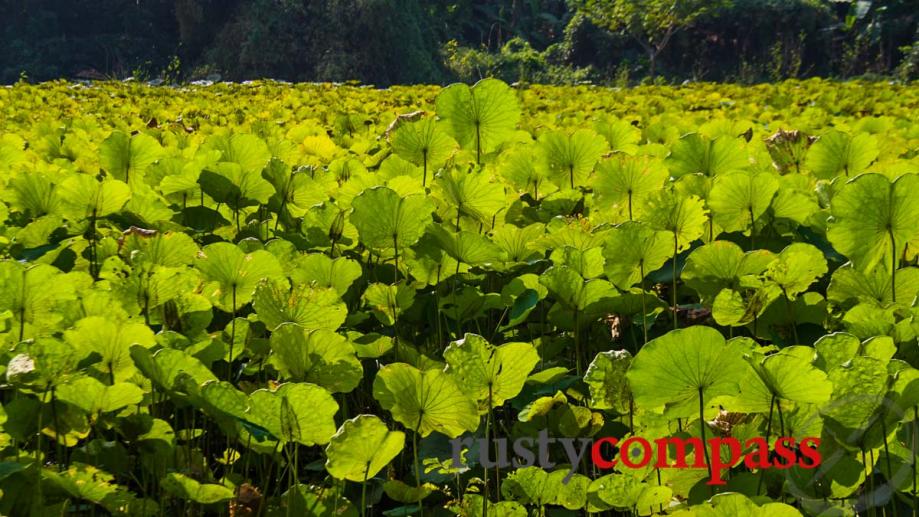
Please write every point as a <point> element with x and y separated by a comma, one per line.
<point>277,299</point>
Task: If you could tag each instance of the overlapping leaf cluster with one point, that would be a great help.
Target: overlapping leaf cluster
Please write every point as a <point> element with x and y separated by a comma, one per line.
<point>269,299</point>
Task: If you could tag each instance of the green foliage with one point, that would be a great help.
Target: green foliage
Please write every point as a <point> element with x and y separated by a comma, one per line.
<point>651,22</point>
<point>491,375</point>
<point>386,42</point>
<point>876,235</point>
<point>675,371</point>
<point>361,448</point>
<point>425,400</point>
<point>268,306</point>
<point>516,60</point>
<point>480,117</point>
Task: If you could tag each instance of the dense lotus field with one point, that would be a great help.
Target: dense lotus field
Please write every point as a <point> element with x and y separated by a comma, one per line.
<point>274,299</point>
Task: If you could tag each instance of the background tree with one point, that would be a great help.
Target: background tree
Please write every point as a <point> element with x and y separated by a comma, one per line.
<point>386,42</point>
<point>651,23</point>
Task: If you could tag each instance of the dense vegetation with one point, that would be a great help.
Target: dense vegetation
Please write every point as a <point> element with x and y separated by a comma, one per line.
<point>270,299</point>
<point>436,41</point>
